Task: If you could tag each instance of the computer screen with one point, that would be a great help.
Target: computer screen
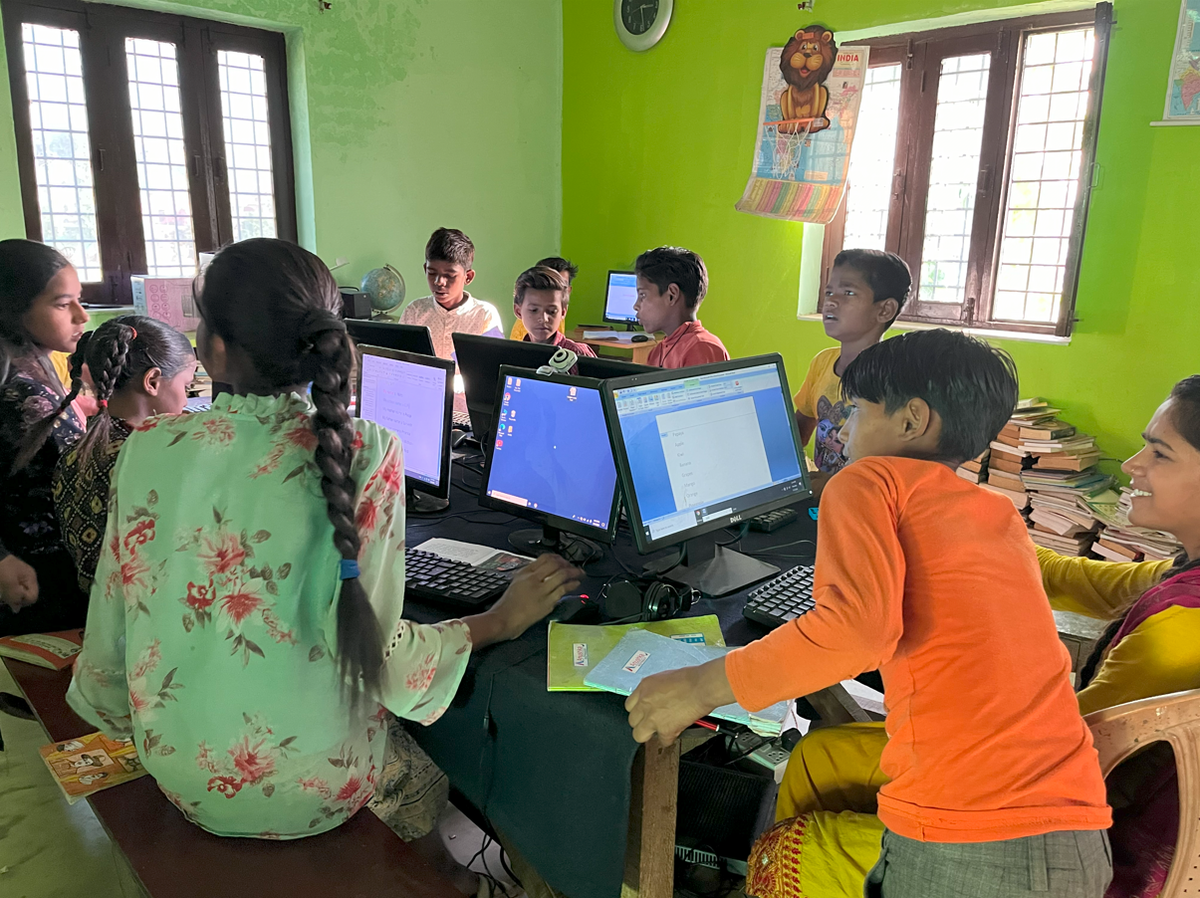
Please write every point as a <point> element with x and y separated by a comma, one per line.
<point>620,297</point>
<point>479,359</point>
<point>391,335</point>
<point>410,395</point>
<point>701,448</point>
<point>551,459</point>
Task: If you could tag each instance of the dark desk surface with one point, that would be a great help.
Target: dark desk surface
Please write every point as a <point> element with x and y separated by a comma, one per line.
<point>172,857</point>
<point>552,770</point>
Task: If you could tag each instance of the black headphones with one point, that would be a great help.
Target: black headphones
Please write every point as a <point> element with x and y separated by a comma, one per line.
<point>627,600</point>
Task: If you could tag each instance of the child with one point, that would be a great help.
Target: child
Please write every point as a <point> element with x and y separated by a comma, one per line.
<point>540,300</point>
<point>992,774</point>
<point>40,313</point>
<point>866,291</point>
<point>140,367</point>
<point>671,284</point>
<point>564,267</point>
<point>450,309</point>
<point>248,605</point>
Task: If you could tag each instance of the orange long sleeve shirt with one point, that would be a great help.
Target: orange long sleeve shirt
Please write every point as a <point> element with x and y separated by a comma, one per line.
<point>935,582</point>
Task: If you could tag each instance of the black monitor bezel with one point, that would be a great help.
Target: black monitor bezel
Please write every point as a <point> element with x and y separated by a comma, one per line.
<point>607,284</point>
<point>482,406</point>
<point>609,388</point>
<point>442,489</point>
<point>409,333</point>
<point>632,368</point>
<point>566,525</point>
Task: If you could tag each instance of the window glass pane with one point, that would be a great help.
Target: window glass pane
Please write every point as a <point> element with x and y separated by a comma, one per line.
<point>247,144</point>
<point>953,177</point>
<point>161,158</point>
<point>1043,179</point>
<point>62,155</point>
<point>872,160</point>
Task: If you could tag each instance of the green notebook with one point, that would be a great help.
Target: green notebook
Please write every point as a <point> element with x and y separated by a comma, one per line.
<point>574,649</point>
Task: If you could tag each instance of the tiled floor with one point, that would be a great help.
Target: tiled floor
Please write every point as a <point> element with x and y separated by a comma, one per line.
<point>49,849</point>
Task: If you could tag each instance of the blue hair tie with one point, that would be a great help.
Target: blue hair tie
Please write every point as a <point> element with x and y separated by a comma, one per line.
<point>349,569</point>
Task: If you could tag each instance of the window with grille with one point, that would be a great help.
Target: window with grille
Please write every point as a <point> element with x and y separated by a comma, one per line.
<point>145,139</point>
<point>973,161</point>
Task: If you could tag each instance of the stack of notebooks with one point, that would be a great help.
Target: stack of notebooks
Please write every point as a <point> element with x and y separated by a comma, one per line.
<point>1121,541</point>
<point>1006,457</point>
<point>975,470</point>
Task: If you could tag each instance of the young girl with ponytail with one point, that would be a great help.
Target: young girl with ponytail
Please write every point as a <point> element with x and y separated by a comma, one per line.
<point>139,367</point>
<point>40,313</point>
<point>828,831</point>
<point>246,619</point>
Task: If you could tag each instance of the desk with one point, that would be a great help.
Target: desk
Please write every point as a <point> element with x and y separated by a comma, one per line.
<point>638,353</point>
<point>556,772</point>
<point>362,858</point>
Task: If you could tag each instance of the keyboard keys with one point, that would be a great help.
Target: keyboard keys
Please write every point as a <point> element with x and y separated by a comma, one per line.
<point>441,581</point>
<point>782,599</point>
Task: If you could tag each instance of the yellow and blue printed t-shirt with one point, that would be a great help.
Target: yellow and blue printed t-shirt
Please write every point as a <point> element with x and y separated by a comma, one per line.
<point>820,398</point>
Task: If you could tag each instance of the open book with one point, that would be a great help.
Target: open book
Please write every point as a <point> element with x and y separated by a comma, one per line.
<point>91,763</point>
<point>641,653</point>
<point>51,650</point>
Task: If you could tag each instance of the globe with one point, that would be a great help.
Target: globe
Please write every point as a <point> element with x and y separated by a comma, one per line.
<point>385,286</point>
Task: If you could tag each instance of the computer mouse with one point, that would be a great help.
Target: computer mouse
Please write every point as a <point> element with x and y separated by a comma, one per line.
<point>639,338</point>
<point>576,610</point>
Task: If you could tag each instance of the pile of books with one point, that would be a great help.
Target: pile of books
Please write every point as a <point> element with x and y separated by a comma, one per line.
<point>975,470</point>
<point>1121,541</point>
<point>1007,460</point>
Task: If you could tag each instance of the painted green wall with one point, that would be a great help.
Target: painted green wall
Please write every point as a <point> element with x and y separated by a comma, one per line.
<point>408,115</point>
<point>657,147</point>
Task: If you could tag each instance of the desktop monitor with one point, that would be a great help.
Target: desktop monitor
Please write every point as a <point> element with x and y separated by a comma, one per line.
<point>603,367</point>
<point>412,395</point>
<point>390,335</point>
<point>698,449</point>
<point>619,297</point>
<point>551,462</point>
<point>479,360</point>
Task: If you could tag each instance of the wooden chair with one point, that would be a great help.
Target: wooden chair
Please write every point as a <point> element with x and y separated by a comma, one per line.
<point>1175,719</point>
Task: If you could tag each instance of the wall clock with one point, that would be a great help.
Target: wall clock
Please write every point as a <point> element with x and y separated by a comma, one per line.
<point>641,23</point>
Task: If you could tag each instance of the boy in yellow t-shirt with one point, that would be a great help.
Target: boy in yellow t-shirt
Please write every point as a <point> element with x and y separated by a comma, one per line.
<point>564,267</point>
<point>864,295</point>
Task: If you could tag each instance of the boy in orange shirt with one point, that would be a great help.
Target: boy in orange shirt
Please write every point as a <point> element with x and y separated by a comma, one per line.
<point>671,284</point>
<point>993,780</point>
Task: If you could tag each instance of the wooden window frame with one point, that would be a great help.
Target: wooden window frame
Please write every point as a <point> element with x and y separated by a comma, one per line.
<point>102,31</point>
<point>921,54</point>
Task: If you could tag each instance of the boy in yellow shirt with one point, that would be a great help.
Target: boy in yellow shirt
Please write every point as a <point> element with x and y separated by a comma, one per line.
<point>866,290</point>
<point>567,269</point>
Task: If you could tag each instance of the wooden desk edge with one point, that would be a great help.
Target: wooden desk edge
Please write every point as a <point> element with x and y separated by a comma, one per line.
<point>650,851</point>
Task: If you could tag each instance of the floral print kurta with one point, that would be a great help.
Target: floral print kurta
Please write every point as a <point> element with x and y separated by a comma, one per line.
<point>212,622</point>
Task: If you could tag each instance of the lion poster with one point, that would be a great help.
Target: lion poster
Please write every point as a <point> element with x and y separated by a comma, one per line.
<point>807,117</point>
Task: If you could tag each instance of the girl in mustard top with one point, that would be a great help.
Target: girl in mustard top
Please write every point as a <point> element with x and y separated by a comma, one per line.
<point>826,806</point>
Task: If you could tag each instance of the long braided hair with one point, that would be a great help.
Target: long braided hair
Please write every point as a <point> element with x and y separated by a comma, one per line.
<point>120,352</point>
<point>1186,420</point>
<point>280,305</point>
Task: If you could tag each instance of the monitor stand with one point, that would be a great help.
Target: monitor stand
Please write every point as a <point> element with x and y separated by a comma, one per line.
<point>575,549</point>
<point>418,503</point>
<point>715,571</point>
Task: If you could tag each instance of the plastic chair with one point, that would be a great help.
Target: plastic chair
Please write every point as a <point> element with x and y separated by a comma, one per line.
<point>1120,731</point>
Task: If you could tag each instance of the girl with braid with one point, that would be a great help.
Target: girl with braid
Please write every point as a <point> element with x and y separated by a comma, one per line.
<point>139,367</point>
<point>826,806</point>
<point>246,624</point>
<point>40,313</point>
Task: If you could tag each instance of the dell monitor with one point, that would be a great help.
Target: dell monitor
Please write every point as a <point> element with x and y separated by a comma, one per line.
<point>405,337</point>
<point>619,297</point>
<point>698,449</point>
<point>551,462</point>
<point>479,360</point>
<point>603,367</point>
<point>412,395</point>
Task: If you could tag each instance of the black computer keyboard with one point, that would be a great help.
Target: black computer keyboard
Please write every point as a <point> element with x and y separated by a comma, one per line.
<point>440,581</point>
<point>782,599</point>
<point>773,520</point>
<point>461,420</point>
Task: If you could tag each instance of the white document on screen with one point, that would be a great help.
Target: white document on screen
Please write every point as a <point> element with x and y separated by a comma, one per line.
<point>713,451</point>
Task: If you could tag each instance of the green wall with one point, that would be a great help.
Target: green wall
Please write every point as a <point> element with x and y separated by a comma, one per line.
<point>408,115</point>
<point>657,148</point>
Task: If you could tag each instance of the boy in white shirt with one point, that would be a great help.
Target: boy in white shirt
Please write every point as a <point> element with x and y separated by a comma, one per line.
<point>450,309</point>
